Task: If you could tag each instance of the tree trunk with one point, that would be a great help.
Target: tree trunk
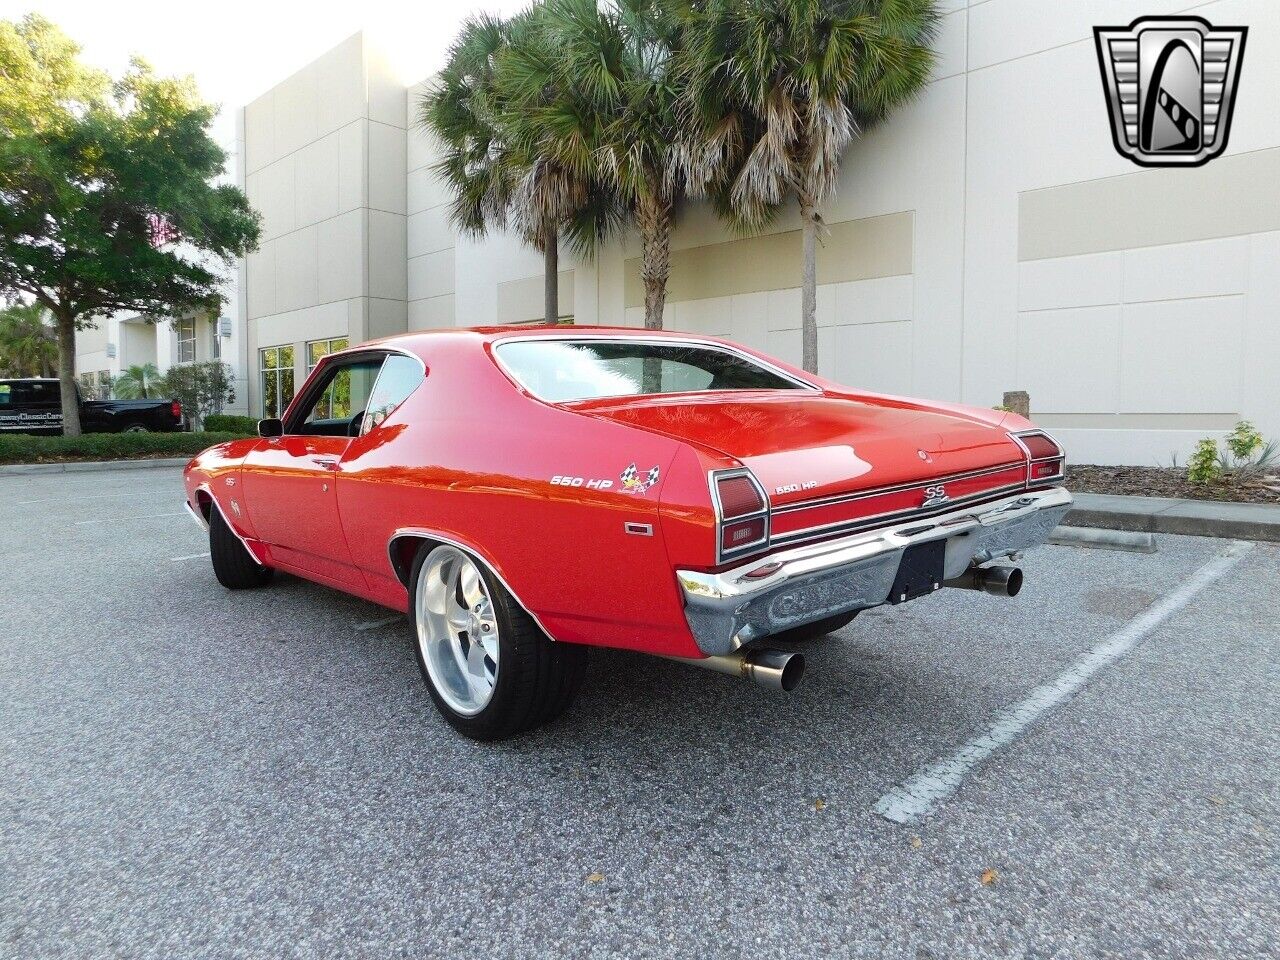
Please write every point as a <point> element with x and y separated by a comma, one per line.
<point>551,279</point>
<point>809,288</point>
<point>67,373</point>
<point>653,217</point>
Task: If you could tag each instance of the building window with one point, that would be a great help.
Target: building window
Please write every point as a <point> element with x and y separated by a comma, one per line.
<point>276,371</point>
<point>215,341</point>
<point>186,327</point>
<point>317,350</point>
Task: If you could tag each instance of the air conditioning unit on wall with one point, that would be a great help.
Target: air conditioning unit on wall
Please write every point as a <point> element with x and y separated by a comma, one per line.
<point>224,326</point>
<point>111,350</point>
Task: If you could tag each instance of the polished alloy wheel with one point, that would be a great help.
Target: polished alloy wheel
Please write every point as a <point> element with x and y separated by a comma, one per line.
<point>457,630</point>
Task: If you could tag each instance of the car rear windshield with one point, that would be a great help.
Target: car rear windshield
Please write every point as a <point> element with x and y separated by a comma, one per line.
<point>566,370</point>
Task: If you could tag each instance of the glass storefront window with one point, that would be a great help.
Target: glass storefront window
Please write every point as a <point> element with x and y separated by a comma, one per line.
<point>276,373</point>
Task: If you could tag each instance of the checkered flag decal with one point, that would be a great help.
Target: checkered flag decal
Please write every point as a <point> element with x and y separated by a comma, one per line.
<point>631,479</point>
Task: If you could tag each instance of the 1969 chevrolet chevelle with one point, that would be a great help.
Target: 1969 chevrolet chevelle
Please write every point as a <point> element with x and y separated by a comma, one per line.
<point>524,494</point>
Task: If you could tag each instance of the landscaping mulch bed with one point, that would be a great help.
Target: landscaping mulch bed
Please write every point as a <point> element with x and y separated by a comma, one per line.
<point>1165,482</point>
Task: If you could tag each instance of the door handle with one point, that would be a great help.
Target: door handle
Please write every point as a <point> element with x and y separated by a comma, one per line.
<point>326,463</point>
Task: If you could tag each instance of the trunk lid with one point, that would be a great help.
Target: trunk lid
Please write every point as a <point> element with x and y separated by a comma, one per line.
<point>805,446</point>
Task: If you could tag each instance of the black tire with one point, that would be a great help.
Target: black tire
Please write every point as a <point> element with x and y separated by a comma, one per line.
<point>232,565</point>
<point>537,677</point>
<point>812,631</point>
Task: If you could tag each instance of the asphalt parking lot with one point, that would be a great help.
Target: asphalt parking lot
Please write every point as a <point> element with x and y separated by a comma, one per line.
<point>189,772</point>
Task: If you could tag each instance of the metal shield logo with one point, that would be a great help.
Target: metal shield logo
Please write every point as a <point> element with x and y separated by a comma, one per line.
<point>1170,84</point>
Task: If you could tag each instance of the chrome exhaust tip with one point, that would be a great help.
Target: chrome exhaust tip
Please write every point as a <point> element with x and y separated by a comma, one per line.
<point>779,670</point>
<point>998,581</point>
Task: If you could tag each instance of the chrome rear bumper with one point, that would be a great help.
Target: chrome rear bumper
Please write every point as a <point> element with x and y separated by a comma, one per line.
<point>789,589</point>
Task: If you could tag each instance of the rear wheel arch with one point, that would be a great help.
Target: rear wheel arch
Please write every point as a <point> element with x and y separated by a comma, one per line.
<point>405,545</point>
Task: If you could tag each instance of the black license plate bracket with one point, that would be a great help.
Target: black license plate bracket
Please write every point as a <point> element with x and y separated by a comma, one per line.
<point>919,571</point>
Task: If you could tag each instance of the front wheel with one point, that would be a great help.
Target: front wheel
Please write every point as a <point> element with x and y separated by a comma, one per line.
<point>491,671</point>
<point>232,563</point>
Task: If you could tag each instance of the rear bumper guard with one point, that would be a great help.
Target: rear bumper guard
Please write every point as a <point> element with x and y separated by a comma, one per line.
<point>789,589</point>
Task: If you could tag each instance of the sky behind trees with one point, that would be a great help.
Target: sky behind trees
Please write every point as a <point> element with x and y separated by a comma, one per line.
<point>238,49</point>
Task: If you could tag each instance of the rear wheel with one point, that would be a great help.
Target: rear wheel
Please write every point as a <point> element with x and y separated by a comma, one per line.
<point>135,428</point>
<point>819,628</point>
<point>490,669</point>
<point>232,564</point>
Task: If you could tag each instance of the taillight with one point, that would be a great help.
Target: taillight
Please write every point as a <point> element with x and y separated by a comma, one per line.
<point>1047,458</point>
<point>176,407</point>
<point>742,513</point>
<point>1040,446</point>
<point>739,496</point>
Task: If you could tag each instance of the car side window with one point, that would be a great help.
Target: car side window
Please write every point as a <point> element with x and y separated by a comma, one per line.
<point>339,407</point>
<point>400,376</point>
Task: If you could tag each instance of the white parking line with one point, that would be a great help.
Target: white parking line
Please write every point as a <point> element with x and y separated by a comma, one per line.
<point>147,516</point>
<point>375,624</point>
<point>916,797</point>
<point>190,556</point>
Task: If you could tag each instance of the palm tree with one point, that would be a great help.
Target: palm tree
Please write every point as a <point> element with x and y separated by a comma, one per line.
<point>598,99</point>
<point>28,343</point>
<point>138,382</point>
<point>775,90</point>
<point>496,172</point>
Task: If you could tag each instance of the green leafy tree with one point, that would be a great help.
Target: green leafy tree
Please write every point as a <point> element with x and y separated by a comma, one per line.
<point>776,90</point>
<point>142,381</point>
<point>28,347</point>
<point>107,193</point>
<point>202,388</point>
<point>493,164</point>
<point>597,95</point>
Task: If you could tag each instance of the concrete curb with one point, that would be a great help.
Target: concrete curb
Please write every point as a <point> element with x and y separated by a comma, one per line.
<point>1196,518</point>
<point>89,466</point>
<point>1103,539</point>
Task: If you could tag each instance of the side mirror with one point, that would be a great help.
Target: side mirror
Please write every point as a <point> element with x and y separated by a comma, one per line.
<point>271,427</point>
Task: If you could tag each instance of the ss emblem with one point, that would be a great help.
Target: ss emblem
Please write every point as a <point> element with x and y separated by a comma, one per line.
<point>934,495</point>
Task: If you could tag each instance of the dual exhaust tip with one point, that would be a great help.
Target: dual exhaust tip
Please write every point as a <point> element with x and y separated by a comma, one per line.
<point>782,670</point>
<point>778,670</point>
<point>998,581</point>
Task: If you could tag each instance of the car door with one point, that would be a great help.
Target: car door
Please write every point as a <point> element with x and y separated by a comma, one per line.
<point>290,482</point>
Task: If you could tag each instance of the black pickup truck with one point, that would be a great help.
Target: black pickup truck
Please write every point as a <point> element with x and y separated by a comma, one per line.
<point>34,405</point>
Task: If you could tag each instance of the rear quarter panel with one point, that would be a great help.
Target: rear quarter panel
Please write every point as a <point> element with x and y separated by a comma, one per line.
<point>471,457</point>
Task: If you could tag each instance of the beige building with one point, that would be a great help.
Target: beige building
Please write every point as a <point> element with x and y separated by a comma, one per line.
<point>988,238</point>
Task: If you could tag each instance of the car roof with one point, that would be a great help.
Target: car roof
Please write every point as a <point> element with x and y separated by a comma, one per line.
<point>421,340</point>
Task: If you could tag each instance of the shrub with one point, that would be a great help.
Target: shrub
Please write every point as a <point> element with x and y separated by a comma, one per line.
<point>1244,441</point>
<point>23,448</point>
<point>203,388</point>
<point>231,423</point>
<point>1248,457</point>
<point>1205,465</point>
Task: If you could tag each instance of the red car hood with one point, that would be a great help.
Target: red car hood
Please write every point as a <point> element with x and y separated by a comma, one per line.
<point>805,445</point>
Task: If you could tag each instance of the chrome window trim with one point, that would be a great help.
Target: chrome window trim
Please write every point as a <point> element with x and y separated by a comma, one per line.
<point>837,498</point>
<point>743,549</point>
<point>653,341</point>
<point>353,352</point>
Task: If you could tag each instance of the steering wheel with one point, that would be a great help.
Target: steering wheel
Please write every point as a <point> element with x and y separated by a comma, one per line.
<point>354,429</point>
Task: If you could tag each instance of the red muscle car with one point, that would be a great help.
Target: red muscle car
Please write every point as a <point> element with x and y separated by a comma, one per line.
<point>524,494</point>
